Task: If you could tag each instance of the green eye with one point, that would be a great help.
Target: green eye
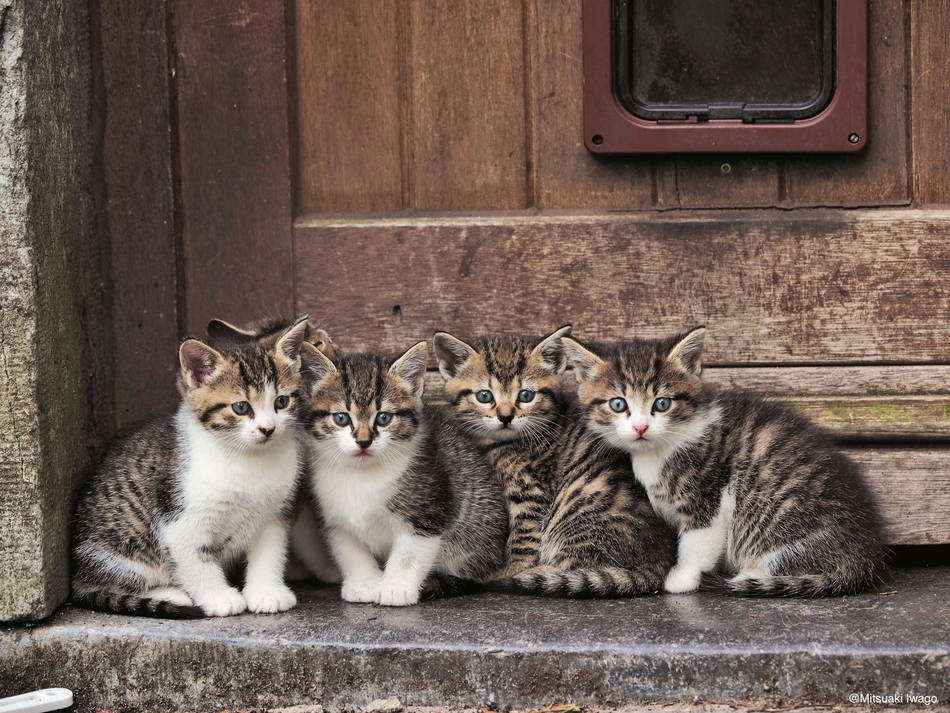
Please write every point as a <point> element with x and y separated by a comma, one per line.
<point>383,418</point>
<point>525,396</point>
<point>241,408</point>
<point>341,419</point>
<point>618,405</point>
<point>484,396</point>
<point>281,402</point>
<point>662,404</point>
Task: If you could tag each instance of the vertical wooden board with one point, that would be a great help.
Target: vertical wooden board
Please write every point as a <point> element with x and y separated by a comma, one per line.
<point>930,78</point>
<point>349,112</point>
<point>467,115</point>
<point>567,174</point>
<point>137,206</point>
<point>878,174</point>
<point>235,168</point>
<point>720,181</point>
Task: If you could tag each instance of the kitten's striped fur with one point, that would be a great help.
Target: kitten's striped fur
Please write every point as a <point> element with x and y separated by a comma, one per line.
<point>179,501</point>
<point>757,492</point>
<point>581,526</point>
<point>410,506</point>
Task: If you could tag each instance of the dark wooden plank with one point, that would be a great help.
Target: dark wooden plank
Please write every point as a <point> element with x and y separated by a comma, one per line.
<point>466,65</point>
<point>350,112</point>
<point>136,205</point>
<point>930,77</point>
<point>235,164</point>
<point>809,287</point>
<point>567,174</point>
<point>722,180</point>
<point>878,175</point>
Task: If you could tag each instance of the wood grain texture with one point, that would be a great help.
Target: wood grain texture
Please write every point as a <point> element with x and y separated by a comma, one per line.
<point>930,77</point>
<point>350,116</point>
<point>879,174</point>
<point>567,174</point>
<point>136,203</point>
<point>467,106</point>
<point>721,180</point>
<point>235,165</point>
<point>810,287</point>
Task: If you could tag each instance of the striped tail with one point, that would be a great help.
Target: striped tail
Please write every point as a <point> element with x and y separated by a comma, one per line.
<point>831,584</point>
<point>112,602</point>
<point>600,582</point>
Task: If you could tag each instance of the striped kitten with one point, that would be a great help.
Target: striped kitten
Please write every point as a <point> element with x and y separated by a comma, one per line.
<point>755,491</point>
<point>178,502</point>
<point>580,524</point>
<point>409,504</point>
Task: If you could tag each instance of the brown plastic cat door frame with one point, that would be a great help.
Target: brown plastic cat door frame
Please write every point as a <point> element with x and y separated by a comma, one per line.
<point>675,76</point>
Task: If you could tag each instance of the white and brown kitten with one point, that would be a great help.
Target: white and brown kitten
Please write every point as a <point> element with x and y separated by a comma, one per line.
<point>409,504</point>
<point>178,503</point>
<point>581,526</point>
<point>757,493</point>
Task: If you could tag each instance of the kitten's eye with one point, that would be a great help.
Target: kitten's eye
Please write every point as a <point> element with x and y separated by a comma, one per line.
<point>484,396</point>
<point>662,404</point>
<point>618,405</point>
<point>383,418</point>
<point>281,402</point>
<point>341,419</point>
<point>241,408</point>
<point>525,396</point>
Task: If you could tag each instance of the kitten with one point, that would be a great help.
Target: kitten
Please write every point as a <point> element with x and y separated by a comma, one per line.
<point>753,489</point>
<point>408,503</point>
<point>179,501</point>
<point>580,525</point>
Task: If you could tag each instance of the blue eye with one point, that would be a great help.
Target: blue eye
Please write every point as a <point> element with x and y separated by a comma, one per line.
<point>241,408</point>
<point>525,396</point>
<point>281,402</point>
<point>341,419</point>
<point>662,404</point>
<point>383,418</point>
<point>484,396</point>
<point>618,405</point>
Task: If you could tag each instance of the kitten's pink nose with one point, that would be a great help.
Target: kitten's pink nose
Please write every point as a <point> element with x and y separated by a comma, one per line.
<point>640,429</point>
<point>267,431</point>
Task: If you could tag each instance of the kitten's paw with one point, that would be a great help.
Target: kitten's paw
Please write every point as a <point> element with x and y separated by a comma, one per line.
<point>364,592</point>
<point>172,595</point>
<point>269,601</point>
<point>225,603</point>
<point>397,596</point>
<point>681,580</point>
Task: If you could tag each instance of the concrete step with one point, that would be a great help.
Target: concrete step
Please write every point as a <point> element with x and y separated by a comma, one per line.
<point>500,651</point>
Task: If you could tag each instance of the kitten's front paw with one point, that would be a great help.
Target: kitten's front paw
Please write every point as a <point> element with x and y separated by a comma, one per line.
<point>396,596</point>
<point>225,603</point>
<point>363,592</point>
<point>681,580</point>
<point>269,601</point>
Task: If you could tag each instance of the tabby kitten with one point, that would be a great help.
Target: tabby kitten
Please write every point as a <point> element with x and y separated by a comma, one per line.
<point>179,501</point>
<point>580,524</point>
<point>754,490</point>
<point>408,503</point>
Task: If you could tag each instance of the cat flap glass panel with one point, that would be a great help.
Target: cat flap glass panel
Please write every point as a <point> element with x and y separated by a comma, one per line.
<point>756,60</point>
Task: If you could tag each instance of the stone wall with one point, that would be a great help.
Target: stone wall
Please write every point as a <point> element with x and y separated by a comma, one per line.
<point>52,351</point>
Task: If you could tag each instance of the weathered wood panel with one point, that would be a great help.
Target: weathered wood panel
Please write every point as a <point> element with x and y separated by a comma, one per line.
<point>930,77</point>
<point>467,117</point>
<point>721,180</point>
<point>818,287</point>
<point>234,160</point>
<point>877,175</point>
<point>136,206</point>
<point>351,113</point>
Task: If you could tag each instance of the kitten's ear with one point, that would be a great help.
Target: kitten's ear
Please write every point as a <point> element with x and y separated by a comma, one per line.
<point>199,362</point>
<point>321,340</point>
<point>551,350</point>
<point>314,364</point>
<point>584,360</point>
<point>219,330</point>
<point>411,368</point>
<point>688,352</point>
<point>451,353</point>
<point>289,344</point>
